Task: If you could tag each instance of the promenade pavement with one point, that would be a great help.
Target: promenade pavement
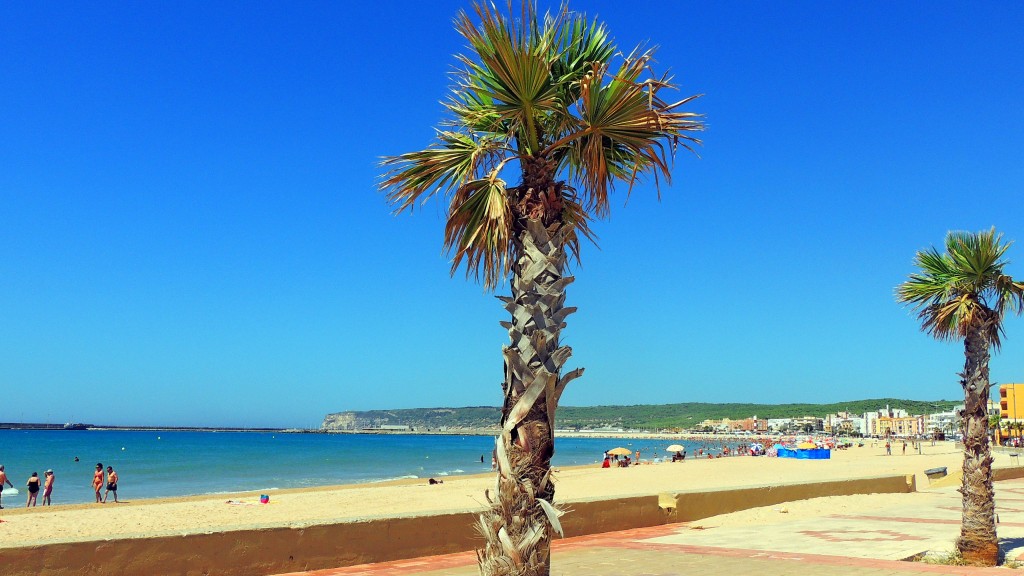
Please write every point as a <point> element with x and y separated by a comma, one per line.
<point>857,541</point>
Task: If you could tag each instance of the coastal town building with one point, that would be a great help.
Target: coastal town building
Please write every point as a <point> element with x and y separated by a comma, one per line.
<point>1011,402</point>
<point>808,424</point>
<point>943,422</point>
<point>902,426</point>
<point>843,424</point>
<point>749,425</point>
<point>718,426</point>
<point>727,425</point>
<point>1011,412</point>
<point>871,426</point>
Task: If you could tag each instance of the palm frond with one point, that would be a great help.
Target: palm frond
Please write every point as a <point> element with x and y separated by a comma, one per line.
<point>628,130</point>
<point>454,159</point>
<point>545,92</point>
<point>511,68</point>
<point>476,112</point>
<point>479,229</point>
<point>964,287</point>
<point>581,45</point>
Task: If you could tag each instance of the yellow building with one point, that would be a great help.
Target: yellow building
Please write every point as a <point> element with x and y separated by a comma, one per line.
<point>1011,401</point>
<point>906,426</point>
<point>1011,410</point>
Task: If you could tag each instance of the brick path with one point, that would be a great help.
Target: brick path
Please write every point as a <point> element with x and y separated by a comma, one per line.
<point>870,544</point>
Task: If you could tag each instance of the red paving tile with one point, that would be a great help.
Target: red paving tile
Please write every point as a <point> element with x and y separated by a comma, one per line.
<point>859,535</point>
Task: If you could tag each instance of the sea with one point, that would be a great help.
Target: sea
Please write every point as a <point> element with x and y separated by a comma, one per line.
<point>161,464</point>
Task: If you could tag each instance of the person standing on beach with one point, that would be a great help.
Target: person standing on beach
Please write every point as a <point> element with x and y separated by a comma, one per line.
<point>888,448</point>
<point>97,482</point>
<point>111,484</point>
<point>33,489</point>
<point>4,480</point>
<point>47,487</point>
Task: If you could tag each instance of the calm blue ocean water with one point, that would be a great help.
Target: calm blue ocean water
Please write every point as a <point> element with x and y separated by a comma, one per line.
<point>165,464</point>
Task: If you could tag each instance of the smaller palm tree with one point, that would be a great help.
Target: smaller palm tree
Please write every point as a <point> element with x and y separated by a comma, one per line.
<point>994,427</point>
<point>963,294</point>
<point>1004,428</point>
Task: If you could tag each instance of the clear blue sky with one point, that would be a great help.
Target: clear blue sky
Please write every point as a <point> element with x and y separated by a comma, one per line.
<point>190,232</point>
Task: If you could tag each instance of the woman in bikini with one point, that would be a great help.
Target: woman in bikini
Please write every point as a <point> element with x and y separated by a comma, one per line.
<point>33,489</point>
<point>97,482</point>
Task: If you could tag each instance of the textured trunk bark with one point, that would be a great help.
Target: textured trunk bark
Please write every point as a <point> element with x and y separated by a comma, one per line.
<point>522,518</point>
<point>977,543</point>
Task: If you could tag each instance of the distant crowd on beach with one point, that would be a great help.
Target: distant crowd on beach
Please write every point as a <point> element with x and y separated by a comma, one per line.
<point>757,446</point>
<point>618,458</point>
<point>35,485</point>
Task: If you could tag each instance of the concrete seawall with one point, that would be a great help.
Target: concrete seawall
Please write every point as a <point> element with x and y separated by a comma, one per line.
<point>277,550</point>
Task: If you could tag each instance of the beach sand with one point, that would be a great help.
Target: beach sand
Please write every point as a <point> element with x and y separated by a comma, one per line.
<point>327,505</point>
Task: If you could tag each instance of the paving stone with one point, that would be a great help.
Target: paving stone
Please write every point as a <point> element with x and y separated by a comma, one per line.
<point>869,544</point>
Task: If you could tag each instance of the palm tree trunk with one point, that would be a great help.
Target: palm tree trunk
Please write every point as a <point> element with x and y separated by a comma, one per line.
<point>977,543</point>
<point>520,523</point>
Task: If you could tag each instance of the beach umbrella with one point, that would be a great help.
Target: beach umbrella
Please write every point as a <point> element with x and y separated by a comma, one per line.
<point>807,446</point>
<point>777,446</point>
<point>675,448</point>
<point>620,451</point>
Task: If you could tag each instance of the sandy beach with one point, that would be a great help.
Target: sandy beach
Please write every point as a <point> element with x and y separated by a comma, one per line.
<point>298,508</point>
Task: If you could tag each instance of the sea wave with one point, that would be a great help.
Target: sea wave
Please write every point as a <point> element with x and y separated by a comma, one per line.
<point>406,477</point>
<point>450,472</point>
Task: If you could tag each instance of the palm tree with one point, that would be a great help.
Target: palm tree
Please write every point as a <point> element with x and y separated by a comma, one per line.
<point>993,426</point>
<point>964,294</point>
<point>554,97</point>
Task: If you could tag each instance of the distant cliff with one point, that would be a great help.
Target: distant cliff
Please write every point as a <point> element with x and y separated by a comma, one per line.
<point>420,419</point>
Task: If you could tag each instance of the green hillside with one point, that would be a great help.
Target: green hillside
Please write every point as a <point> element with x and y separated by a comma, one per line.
<point>647,416</point>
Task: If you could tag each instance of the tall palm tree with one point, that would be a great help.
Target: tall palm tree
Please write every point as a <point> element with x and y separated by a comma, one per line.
<point>963,294</point>
<point>554,97</point>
